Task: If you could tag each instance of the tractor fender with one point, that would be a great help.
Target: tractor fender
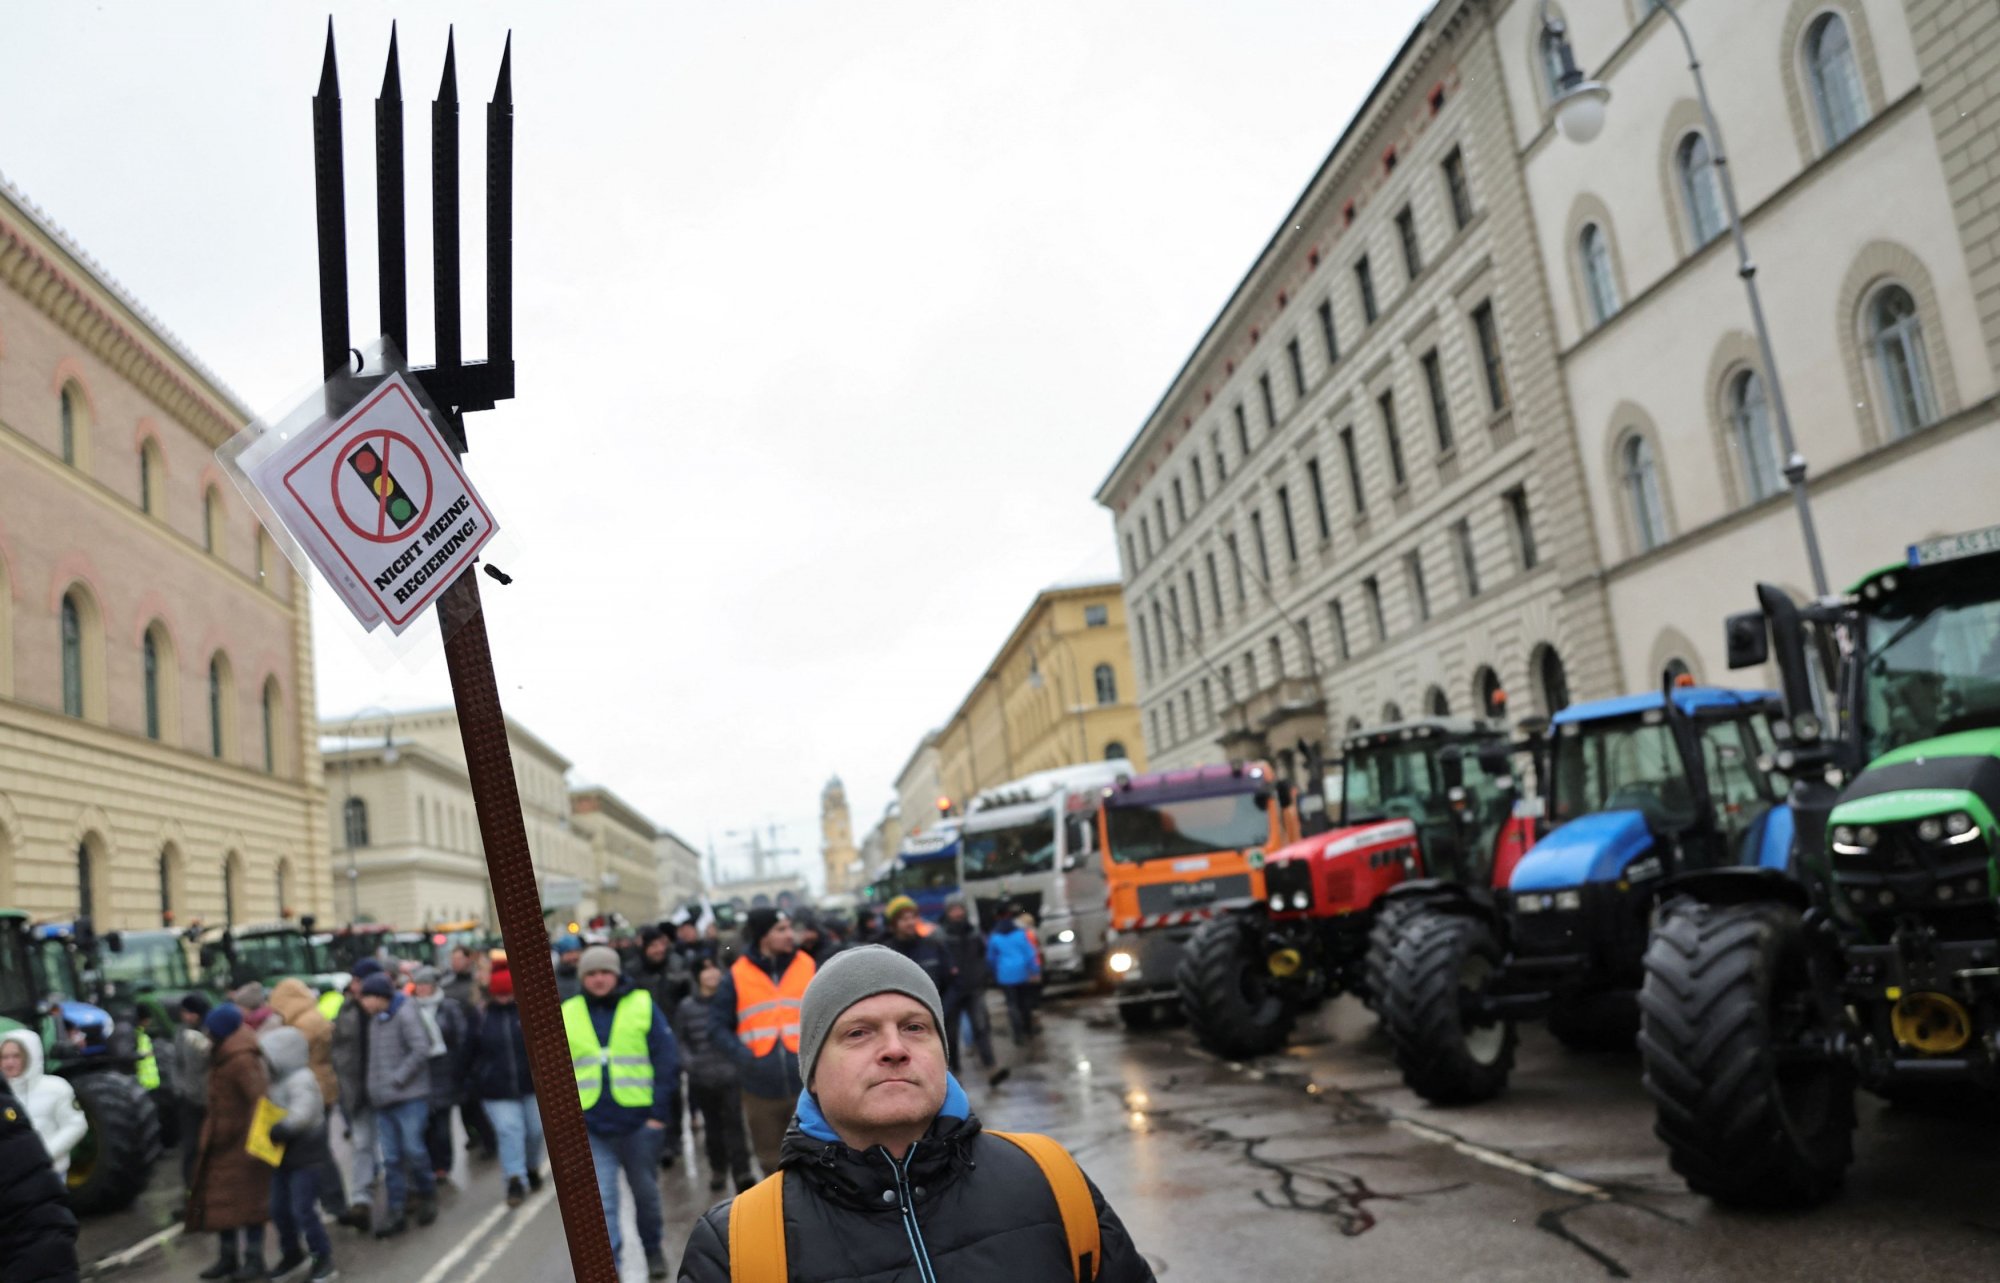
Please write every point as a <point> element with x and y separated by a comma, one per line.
<point>1734,885</point>
<point>1444,897</point>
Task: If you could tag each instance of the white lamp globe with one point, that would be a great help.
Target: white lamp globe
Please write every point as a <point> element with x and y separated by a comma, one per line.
<point>1580,111</point>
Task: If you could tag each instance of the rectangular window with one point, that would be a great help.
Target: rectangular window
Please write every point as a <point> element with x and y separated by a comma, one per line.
<point>1174,613</point>
<point>1298,366</point>
<point>1214,585</point>
<point>1131,553</point>
<point>1353,471</point>
<point>1319,499</point>
<point>1187,709</point>
<point>1160,512</point>
<point>1153,715</point>
<point>1146,537</point>
<point>1180,503</point>
<point>1160,631</point>
<point>1440,407</point>
<point>1285,516</point>
<point>1524,528</point>
<point>1461,194</point>
<point>1420,597</point>
<point>1406,232</point>
<point>1339,629</point>
<point>1145,650</point>
<point>1468,561</point>
<point>1194,603</point>
<point>1326,331</point>
<point>1242,430</point>
<point>1391,434</point>
<point>1221,464</point>
<point>1207,702</point>
<point>1236,568</point>
<point>1270,402</point>
<point>1489,355</point>
<point>1371,588</point>
<point>1364,277</point>
<point>1200,485</point>
<point>1096,616</point>
<point>1263,553</point>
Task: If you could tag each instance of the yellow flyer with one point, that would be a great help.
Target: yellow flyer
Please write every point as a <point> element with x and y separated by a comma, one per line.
<point>260,1145</point>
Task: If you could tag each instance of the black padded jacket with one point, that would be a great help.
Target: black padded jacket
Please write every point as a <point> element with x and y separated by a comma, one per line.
<point>37,1229</point>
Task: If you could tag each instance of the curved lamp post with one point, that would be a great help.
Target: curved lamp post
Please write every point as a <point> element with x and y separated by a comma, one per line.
<point>1580,107</point>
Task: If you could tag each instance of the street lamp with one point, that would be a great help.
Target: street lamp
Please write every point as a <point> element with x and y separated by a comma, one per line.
<point>1580,107</point>
<point>347,802</point>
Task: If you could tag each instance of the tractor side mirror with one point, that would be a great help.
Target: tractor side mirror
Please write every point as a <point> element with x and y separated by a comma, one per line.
<point>1749,645</point>
<point>1451,765</point>
<point>1495,760</point>
<point>115,941</point>
<point>306,923</point>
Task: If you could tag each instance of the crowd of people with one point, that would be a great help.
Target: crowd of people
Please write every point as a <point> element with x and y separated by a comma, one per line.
<point>681,1024</point>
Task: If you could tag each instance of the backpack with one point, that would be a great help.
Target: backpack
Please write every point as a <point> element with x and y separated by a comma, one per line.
<point>757,1217</point>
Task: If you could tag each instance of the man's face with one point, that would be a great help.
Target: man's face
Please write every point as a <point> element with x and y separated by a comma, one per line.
<point>461,961</point>
<point>422,991</point>
<point>374,1003</point>
<point>656,949</point>
<point>906,925</point>
<point>777,940</point>
<point>189,1019</point>
<point>687,933</point>
<point>881,1071</point>
<point>954,913</point>
<point>599,983</point>
<point>568,957</point>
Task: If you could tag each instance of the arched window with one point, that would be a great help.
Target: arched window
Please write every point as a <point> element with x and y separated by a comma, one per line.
<point>166,884</point>
<point>1392,712</point>
<point>72,422</point>
<point>86,885</point>
<point>1640,477</point>
<point>211,520</point>
<point>150,470</point>
<point>1552,65</point>
<point>1593,247</point>
<point>271,710</point>
<point>1436,703</point>
<point>229,863</point>
<point>354,818</point>
<point>218,704</point>
<point>1699,188</point>
<point>1677,668</point>
<point>1896,337</point>
<point>1553,680</point>
<point>72,655</point>
<point>1114,752</point>
<point>1750,424</point>
<point>1107,684</point>
<point>1353,724</point>
<point>1491,695</point>
<point>150,652</point>
<point>1835,78</point>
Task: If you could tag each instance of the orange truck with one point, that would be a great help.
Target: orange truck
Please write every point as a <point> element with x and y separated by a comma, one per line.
<point>1179,847</point>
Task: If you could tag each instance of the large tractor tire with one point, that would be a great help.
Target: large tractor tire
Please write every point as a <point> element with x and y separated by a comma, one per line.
<point>1389,918</point>
<point>1592,1022</point>
<point>1746,1119</point>
<point>1227,992</point>
<point>110,1166</point>
<point>1436,962</point>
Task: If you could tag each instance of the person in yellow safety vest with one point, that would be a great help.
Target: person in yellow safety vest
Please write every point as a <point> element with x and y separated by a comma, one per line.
<point>147,1069</point>
<point>754,1017</point>
<point>626,1067</point>
<point>330,1003</point>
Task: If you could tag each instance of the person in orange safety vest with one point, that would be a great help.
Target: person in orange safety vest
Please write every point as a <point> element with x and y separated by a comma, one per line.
<point>755,1019</point>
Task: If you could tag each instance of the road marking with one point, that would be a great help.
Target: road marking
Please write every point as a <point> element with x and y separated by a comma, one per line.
<point>125,1256</point>
<point>437,1273</point>
<point>1505,1162</point>
<point>529,1211</point>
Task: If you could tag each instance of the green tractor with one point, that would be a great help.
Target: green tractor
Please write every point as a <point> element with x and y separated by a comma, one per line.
<point>1874,960</point>
<point>41,991</point>
<point>233,956</point>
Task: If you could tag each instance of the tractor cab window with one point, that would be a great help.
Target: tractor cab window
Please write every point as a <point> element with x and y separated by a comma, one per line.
<point>17,985</point>
<point>1738,790</point>
<point>155,960</point>
<point>1932,666</point>
<point>1626,764</point>
<point>1392,780</point>
<point>1487,804</point>
<point>1193,826</point>
<point>1024,848</point>
<point>266,956</point>
<point>54,972</point>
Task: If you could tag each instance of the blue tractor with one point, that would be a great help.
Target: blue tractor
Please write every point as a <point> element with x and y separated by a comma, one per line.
<point>1634,790</point>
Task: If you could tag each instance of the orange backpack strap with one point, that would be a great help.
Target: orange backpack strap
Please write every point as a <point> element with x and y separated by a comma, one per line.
<point>1065,1178</point>
<point>757,1233</point>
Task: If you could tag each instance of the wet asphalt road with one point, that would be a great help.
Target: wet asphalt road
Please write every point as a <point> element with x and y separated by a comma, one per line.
<point>1318,1164</point>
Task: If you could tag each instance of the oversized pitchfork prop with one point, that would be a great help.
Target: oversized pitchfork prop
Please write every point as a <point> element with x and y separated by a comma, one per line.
<point>458,387</point>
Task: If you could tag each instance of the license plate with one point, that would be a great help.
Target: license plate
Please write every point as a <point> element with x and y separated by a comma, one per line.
<point>1952,547</point>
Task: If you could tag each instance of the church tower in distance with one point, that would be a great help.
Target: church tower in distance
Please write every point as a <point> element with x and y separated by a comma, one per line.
<point>836,832</point>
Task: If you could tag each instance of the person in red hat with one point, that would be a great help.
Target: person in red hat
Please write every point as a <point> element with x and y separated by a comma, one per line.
<point>506,1090</point>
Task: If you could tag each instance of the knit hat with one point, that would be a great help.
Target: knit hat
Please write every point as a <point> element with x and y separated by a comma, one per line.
<point>425,976</point>
<point>598,957</point>
<point>898,905</point>
<point>649,934</point>
<point>249,996</point>
<point>501,983</point>
<point>847,978</point>
<point>377,986</point>
<point>364,968</point>
<point>223,1021</point>
<point>196,1004</point>
<point>758,923</point>
<point>569,944</point>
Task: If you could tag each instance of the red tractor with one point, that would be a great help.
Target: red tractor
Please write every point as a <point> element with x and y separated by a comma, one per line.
<point>1433,798</point>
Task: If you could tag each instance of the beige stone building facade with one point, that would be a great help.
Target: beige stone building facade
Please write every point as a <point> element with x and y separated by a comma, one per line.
<point>406,848</point>
<point>1861,135</point>
<point>679,872</point>
<point>158,757</point>
<point>918,787</point>
<point>1360,499</point>
<point>621,845</point>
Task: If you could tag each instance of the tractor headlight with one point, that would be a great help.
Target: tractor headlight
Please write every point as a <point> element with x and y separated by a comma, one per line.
<point>1065,936</point>
<point>1277,902</point>
<point>1532,903</point>
<point>1119,962</point>
<point>1961,828</point>
<point>1931,829</point>
<point>1866,837</point>
<point>1570,899</point>
<point>1301,900</point>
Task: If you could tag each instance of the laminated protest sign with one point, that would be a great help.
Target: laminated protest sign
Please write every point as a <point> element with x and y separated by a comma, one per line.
<point>378,501</point>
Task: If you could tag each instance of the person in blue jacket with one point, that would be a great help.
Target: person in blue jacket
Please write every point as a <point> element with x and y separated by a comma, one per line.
<point>626,1082</point>
<point>1016,967</point>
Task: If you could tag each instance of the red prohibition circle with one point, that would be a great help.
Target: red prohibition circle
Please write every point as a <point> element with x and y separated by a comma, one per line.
<point>379,532</point>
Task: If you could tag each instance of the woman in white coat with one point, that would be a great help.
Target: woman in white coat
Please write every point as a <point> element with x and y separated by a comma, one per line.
<point>51,1101</point>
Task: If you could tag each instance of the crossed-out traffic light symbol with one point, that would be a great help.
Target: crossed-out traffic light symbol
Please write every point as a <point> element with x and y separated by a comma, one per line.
<point>394,501</point>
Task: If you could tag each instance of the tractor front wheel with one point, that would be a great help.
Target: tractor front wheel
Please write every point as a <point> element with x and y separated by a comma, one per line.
<point>110,1166</point>
<point>1227,991</point>
<point>1389,918</point>
<point>1440,966</point>
<point>1751,1114</point>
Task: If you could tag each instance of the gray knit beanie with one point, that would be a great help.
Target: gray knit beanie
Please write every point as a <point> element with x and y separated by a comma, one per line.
<point>848,977</point>
<point>598,957</point>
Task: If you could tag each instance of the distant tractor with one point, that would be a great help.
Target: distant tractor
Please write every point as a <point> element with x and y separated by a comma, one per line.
<point>1638,789</point>
<point>1430,799</point>
<point>40,991</point>
<point>232,956</point>
<point>1876,962</point>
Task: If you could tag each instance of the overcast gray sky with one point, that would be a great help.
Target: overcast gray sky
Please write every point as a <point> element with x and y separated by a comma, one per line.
<point>830,317</point>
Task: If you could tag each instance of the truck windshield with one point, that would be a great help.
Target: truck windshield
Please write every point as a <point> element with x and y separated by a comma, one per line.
<point>1025,848</point>
<point>1627,764</point>
<point>1933,667</point>
<point>1390,779</point>
<point>155,959</point>
<point>1195,826</point>
<point>926,875</point>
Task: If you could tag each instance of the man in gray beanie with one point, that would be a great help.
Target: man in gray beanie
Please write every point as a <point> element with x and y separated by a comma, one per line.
<point>885,1162</point>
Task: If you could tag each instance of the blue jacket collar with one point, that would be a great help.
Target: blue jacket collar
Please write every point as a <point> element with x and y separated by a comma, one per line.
<point>813,1123</point>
